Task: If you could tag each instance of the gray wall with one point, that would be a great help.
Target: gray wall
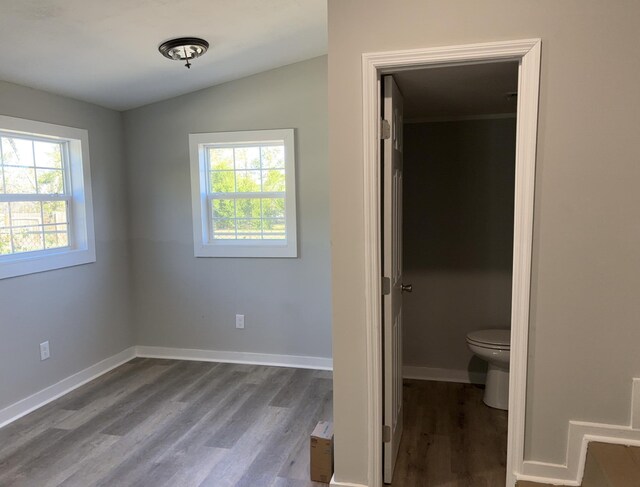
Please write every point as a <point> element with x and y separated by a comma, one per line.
<point>584,305</point>
<point>183,301</point>
<point>458,237</point>
<point>84,310</point>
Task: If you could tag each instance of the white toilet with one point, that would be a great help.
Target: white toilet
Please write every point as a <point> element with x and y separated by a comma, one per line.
<point>494,347</point>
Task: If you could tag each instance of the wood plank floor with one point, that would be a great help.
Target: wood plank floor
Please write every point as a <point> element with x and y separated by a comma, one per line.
<point>451,439</point>
<point>172,423</point>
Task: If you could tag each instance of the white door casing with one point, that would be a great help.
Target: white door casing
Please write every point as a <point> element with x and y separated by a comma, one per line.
<point>374,65</point>
<point>392,267</point>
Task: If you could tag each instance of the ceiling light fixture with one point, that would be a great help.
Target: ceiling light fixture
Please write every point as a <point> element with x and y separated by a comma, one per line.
<point>184,49</point>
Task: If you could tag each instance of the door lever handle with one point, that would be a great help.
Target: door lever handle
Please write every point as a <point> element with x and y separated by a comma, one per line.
<point>406,288</point>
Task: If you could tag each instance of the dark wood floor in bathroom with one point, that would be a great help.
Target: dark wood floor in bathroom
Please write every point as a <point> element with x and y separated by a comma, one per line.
<point>153,423</point>
<point>451,438</point>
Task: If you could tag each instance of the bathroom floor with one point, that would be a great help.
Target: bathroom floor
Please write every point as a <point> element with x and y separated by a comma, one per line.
<point>450,437</point>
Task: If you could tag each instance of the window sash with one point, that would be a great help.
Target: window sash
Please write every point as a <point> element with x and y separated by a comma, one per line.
<point>247,195</point>
<point>30,137</point>
<point>10,198</point>
<point>241,145</point>
<point>65,168</point>
<point>236,195</point>
<point>65,196</point>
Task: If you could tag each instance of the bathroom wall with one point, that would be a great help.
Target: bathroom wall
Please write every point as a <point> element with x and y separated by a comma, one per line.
<point>458,234</point>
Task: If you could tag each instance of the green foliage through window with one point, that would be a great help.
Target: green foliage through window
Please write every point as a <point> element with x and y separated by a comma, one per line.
<point>247,186</point>
<point>31,172</point>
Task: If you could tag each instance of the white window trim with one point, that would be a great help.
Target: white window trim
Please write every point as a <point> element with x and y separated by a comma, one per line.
<point>203,245</point>
<point>82,248</point>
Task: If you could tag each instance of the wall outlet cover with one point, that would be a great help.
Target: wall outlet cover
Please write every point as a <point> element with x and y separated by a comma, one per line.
<point>44,350</point>
<point>239,321</point>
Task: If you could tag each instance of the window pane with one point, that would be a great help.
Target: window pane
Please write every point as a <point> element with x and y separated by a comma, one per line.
<point>274,228</point>
<point>220,159</point>
<point>27,239</point>
<point>249,226</point>
<point>54,212</point>
<point>273,208</point>
<point>48,154</point>
<point>273,157</point>
<point>5,242</point>
<point>222,181</point>
<point>273,180</point>
<point>247,157</point>
<point>4,215</point>
<point>25,213</point>
<point>1,178</point>
<point>50,181</point>
<point>223,208</point>
<point>56,236</point>
<point>248,208</point>
<point>224,228</point>
<point>17,152</point>
<point>20,180</point>
<point>247,181</point>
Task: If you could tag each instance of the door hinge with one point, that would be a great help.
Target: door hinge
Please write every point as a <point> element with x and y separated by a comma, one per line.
<point>386,286</point>
<point>385,130</point>
<point>386,433</point>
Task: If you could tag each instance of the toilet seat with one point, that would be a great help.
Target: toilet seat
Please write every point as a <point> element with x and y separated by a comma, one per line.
<point>493,339</point>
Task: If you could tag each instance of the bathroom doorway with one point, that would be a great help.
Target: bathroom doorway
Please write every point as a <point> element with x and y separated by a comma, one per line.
<point>383,212</point>
<point>457,144</point>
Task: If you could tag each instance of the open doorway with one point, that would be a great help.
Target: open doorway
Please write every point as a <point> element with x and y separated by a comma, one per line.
<point>455,160</point>
<point>383,215</point>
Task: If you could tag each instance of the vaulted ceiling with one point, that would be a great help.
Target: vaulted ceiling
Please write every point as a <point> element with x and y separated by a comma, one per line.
<point>105,52</point>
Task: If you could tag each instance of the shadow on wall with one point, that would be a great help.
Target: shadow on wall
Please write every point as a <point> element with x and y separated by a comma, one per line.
<point>458,207</point>
<point>458,236</point>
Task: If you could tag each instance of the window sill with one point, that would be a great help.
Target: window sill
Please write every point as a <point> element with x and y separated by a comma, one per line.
<point>22,265</point>
<point>235,249</point>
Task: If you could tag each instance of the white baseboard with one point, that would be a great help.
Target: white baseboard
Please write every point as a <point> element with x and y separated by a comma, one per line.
<point>297,361</point>
<point>579,436</point>
<point>335,483</point>
<point>443,375</point>
<point>45,396</point>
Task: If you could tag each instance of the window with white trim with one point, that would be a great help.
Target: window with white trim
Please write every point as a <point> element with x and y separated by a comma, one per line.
<point>45,200</point>
<point>243,194</point>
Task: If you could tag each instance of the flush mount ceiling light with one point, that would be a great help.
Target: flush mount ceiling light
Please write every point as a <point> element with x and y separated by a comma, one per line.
<point>184,49</point>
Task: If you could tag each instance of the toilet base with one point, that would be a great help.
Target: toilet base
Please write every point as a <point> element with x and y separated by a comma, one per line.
<point>496,392</point>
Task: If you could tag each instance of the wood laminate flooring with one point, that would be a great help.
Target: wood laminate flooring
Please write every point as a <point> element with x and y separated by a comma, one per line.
<point>451,438</point>
<point>157,423</point>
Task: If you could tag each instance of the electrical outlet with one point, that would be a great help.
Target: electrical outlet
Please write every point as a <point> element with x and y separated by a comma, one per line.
<point>239,321</point>
<point>44,350</point>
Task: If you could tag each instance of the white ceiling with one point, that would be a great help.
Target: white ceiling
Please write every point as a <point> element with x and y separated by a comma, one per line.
<point>458,91</point>
<point>105,51</point>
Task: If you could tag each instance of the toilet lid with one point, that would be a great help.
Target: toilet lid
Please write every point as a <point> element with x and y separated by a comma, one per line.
<point>491,337</point>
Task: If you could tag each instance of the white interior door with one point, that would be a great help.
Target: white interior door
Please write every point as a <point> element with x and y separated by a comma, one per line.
<point>392,268</point>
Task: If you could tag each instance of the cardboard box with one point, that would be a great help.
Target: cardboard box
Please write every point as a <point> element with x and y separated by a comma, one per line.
<point>321,464</point>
